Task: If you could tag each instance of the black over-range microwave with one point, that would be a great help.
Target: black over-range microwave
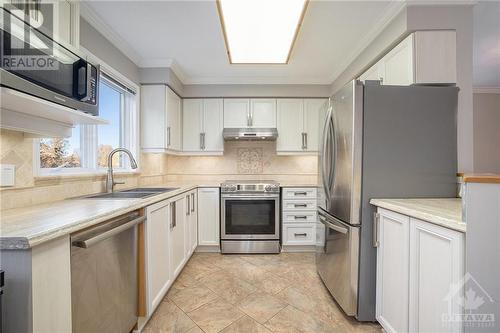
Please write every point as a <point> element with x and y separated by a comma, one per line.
<point>33,63</point>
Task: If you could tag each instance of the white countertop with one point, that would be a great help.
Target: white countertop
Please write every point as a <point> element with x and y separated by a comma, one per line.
<point>23,228</point>
<point>446,212</point>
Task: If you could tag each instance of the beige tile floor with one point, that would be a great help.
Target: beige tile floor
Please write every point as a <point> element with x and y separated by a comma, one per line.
<point>251,293</point>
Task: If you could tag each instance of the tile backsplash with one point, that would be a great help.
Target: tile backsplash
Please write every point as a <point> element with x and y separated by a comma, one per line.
<point>241,160</point>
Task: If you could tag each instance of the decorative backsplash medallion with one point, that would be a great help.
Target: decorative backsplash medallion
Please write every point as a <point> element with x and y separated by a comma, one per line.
<point>250,161</point>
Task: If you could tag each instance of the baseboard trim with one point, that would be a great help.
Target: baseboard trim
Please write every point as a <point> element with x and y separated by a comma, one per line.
<point>208,249</point>
<point>298,248</point>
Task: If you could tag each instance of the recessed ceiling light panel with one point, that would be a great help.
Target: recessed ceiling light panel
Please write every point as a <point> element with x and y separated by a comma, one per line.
<point>260,31</point>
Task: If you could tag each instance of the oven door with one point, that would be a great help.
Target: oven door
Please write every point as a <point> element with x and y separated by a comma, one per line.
<point>250,217</point>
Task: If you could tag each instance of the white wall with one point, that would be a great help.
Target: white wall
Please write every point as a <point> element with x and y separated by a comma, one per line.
<point>97,44</point>
<point>487,132</point>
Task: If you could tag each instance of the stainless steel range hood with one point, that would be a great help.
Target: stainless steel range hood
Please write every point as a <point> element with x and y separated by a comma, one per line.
<point>260,134</point>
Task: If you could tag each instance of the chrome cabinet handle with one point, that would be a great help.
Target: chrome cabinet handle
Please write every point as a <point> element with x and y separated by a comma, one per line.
<point>173,208</point>
<point>201,141</point>
<point>248,119</point>
<point>168,136</point>
<point>192,202</point>
<point>300,217</point>
<point>300,193</point>
<point>300,234</point>
<point>376,222</point>
<point>188,206</point>
<point>300,205</point>
<point>305,140</point>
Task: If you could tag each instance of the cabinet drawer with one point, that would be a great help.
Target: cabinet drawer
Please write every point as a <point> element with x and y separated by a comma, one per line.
<point>299,193</point>
<point>299,217</point>
<point>299,205</point>
<point>299,234</point>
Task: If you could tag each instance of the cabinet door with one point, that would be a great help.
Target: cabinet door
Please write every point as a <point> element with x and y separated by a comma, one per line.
<point>263,112</point>
<point>437,263</point>
<point>192,122</point>
<point>194,220</point>
<point>213,124</point>
<point>177,225</point>
<point>435,56</point>
<point>236,112</point>
<point>290,125</point>
<point>153,117</point>
<point>314,110</point>
<point>208,216</point>
<point>174,130</point>
<point>392,271</point>
<point>157,253</point>
<point>398,64</point>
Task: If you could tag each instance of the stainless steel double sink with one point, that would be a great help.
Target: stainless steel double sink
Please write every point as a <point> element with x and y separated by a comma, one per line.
<point>135,193</point>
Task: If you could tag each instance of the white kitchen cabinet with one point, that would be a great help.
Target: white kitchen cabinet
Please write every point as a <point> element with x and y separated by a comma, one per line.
<point>236,112</point>
<point>299,216</point>
<point>157,253</point>
<point>202,126</point>
<point>290,114</point>
<point>208,216</point>
<point>424,57</point>
<point>392,271</point>
<point>436,265</point>
<point>263,112</point>
<point>245,113</point>
<point>191,228</point>
<point>161,123</point>
<point>418,263</point>
<point>298,122</point>
<point>177,234</point>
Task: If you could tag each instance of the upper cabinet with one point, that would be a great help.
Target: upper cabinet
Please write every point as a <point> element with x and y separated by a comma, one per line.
<point>244,112</point>
<point>160,119</point>
<point>298,122</point>
<point>202,126</point>
<point>424,57</point>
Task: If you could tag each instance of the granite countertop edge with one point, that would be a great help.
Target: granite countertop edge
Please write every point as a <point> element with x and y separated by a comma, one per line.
<point>401,206</point>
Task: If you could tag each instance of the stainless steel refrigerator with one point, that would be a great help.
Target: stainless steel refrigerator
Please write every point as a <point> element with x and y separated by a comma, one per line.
<point>377,142</point>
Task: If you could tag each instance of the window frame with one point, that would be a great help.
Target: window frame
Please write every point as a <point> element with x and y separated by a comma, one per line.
<point>129,133</point>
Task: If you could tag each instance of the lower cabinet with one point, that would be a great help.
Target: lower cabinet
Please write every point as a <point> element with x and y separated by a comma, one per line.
<point>418,265</point>
<point>157,253</point>
<point>209,216</point>
<point>299,217</point>
<point>191,229</point>
<point>177,234</point>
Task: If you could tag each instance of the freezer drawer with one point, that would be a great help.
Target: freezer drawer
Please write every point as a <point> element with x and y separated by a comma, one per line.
<point>337,262</point>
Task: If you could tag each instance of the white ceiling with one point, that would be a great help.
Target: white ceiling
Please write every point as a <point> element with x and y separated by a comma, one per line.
<point>187,36</point>
<point>487,44</point>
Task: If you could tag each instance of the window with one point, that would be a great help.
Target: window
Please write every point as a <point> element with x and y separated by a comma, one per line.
<point>89,145</point>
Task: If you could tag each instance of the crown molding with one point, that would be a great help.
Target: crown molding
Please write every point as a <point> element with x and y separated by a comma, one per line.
<point>263,80</point>
<point>486,90</point>
<point>104,29</point>
<point>393,10</point>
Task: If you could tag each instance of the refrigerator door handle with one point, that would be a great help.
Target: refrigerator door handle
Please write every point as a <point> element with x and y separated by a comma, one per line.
<point>323,158</point>
<point>333,168</point>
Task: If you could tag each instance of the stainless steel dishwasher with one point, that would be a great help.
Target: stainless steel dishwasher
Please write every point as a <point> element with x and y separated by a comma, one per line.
<point>104,276</point>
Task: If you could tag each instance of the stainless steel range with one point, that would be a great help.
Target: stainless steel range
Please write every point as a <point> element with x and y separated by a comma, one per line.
<point>250,221</point>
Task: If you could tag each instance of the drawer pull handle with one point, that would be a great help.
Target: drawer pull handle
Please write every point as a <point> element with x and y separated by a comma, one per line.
<point>300,234</point>
<point>300,193</point>
<point>300,217</point>
<point>300,205</point>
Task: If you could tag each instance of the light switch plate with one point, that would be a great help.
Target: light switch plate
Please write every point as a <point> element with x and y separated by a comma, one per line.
<point>7,174</point>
